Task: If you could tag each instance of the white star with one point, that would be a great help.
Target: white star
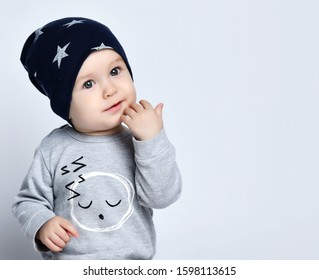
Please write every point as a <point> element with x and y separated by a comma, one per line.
<point>37,34</point>
<point>73,22</point>
<point>60,54</point>
<point>101,47</point>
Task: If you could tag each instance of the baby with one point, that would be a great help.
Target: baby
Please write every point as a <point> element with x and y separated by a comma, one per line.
<point>93,183</point>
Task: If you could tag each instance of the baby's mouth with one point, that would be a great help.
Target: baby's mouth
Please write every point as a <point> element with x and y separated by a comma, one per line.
<point>114,106</point>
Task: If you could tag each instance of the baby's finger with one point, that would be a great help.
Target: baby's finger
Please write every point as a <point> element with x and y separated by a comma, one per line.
<point>159,109</point>
<point>146,105</point>
<point>66,225</point>
<point>65,235</point>
<point>57,241</point>
<point>130,112</point>
<point>137,107</point>
<point>52,246</point>
<point>125,119</point>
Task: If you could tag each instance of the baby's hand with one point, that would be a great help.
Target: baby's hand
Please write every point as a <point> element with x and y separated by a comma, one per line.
<point>143,120</point>
<point>56,233</point>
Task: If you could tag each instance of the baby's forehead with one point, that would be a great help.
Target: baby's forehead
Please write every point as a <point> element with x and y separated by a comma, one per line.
<point>107,56</point>
<point>99,58</point>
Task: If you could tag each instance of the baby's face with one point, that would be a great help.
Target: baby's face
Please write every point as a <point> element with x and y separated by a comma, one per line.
<point>102,91</point>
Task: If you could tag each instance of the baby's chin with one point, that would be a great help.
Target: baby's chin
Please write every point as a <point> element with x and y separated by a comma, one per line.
<point>100,131</point>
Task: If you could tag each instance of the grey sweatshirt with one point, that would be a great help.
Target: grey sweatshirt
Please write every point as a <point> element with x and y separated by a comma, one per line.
<point>106,186</point>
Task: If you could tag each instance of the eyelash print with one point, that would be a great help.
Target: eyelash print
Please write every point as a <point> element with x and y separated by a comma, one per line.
<point>109,204</point>
<point>85,207</point>
<point>113,205</point>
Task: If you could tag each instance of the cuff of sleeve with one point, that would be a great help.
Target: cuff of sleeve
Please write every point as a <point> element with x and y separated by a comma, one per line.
<point>151,148</point>
<point>35,224</point>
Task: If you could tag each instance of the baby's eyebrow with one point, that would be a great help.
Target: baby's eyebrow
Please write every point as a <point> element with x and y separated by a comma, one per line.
<point>85,77</point>
<point>117,60</point>
<point>81,79</point>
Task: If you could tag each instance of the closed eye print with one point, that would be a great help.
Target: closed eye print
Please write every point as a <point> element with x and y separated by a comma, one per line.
<point>85,207</point>
<point>113,205</point>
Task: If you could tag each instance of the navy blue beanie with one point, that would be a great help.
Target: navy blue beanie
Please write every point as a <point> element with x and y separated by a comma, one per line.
<point>54,54</point>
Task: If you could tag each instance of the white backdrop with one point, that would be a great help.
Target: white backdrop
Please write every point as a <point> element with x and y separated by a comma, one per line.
<point>239,80</point>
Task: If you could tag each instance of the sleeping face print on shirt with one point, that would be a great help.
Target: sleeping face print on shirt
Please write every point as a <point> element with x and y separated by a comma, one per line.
<point>100,201</point>
<point>104,203</point>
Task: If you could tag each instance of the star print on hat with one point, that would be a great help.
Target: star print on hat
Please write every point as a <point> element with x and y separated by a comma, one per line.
<point>54,54</point>
<point>60,54</point>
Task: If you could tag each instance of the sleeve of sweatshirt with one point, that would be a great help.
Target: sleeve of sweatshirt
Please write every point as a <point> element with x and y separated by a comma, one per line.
<point>157,177</point>
<point>33,205</point>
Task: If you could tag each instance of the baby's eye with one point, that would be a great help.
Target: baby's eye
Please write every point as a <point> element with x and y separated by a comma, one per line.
<point>115,71</point>
<point>85,207</point>
<point>88,84</point>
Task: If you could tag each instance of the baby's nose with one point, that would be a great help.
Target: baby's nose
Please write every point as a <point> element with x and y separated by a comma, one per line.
<point>101,217</point>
